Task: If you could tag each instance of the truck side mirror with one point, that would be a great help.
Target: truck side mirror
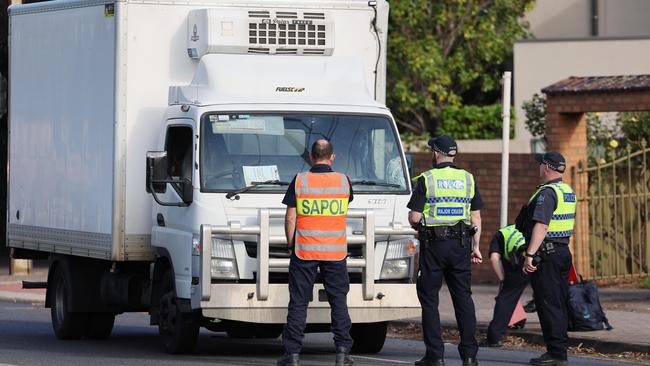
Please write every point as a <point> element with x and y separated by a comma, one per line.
<point>409,164</point>
<point>158,177</point>
<point>157,171</point>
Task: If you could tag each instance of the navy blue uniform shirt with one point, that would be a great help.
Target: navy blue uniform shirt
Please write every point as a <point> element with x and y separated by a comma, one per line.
<point>419,196</point>
<point>540,209</point>
<point>497,244</point>
<point>290,197</point>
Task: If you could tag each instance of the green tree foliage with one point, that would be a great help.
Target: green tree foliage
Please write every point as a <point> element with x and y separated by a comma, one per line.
<point>443,50</point>
<point>470,122</point>
<point>635,126</point>
<point>535,111</point>
<point>473,122</point>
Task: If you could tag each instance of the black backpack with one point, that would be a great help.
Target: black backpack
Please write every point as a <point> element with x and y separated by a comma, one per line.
<point>585,311</point>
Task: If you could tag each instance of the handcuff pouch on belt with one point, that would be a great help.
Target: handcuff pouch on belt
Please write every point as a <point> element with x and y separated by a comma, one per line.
<point>545,251</point>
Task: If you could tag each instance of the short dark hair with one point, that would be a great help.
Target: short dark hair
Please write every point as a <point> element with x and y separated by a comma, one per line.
<point>321,150</point>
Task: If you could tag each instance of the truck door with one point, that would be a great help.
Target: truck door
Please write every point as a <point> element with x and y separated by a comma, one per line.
<point>173,226</point>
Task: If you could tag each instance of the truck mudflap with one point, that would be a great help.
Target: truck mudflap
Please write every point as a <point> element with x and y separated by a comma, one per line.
<point>266,303</point>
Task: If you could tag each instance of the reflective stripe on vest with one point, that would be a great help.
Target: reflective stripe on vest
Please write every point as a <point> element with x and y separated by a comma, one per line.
<point>564,216</point>
<point>448,197</point>
<point>322,206</point>
<point>513,240</point>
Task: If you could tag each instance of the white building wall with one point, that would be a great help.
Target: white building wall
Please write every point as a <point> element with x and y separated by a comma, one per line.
<point>539,64</point>
<point>552,19</point>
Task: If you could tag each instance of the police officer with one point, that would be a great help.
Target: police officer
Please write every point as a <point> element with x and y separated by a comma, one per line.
<point>507,258</point>
<point>315,228</point>
<point>444,208</point>
<point>548,224</point>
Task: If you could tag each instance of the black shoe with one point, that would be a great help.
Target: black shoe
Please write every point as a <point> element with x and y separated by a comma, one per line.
<point>472,361</point>
<point>530,306</point>
<point>426,361</point>
<point>548,360</point>
<point>289,359</point>
<point>518,325</point>
<point>343,357</point>
<point>487,343</point>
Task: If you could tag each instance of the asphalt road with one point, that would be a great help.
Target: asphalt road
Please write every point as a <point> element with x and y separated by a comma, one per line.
<point>26,338</point>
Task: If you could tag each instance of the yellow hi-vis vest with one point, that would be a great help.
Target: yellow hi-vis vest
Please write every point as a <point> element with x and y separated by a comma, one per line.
<point>449,193</point>
<point>564,216</point>
<point>513,240</point>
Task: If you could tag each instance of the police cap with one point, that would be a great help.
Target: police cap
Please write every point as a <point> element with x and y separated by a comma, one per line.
<point>553,159</point>
<point>444,144</point>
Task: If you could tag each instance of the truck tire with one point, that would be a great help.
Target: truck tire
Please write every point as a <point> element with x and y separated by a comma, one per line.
<point>100,325</point>
<point>66,325</point>
<point>368,337</point>
<point>179,331</point>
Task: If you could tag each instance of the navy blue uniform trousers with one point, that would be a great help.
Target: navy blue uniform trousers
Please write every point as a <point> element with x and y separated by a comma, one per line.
<point>551,285</point>
<point>449,260</point>
<point>302,275</point>
<point>513,285</point>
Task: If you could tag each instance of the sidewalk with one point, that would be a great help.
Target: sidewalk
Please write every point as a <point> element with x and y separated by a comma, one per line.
<point>628,311</point>
<point>11,286</point>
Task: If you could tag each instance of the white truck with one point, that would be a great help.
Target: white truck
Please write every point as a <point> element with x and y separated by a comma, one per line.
<point>151,142</point>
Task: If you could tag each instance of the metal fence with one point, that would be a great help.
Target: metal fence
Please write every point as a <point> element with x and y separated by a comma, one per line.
<point>617,194</point>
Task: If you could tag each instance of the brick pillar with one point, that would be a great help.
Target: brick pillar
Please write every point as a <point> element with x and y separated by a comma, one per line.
<point>567,133</point>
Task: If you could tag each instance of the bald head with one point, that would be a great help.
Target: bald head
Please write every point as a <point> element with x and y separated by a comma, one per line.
<point>322,152</point>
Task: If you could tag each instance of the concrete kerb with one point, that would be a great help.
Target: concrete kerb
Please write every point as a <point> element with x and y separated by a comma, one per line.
<point>9,292</point>
<point>536,337</point>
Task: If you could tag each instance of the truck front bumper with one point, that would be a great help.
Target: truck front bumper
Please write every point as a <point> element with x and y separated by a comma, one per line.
<point>238,302</point>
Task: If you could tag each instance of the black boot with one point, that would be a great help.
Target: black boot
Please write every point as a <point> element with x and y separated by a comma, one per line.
<point>343,357</point>
<point>548,360</point>
<point>289,359</point>
<point>426,361</point>
<point>471,361</point>
<point>530,306</point>
<point>487,343</point>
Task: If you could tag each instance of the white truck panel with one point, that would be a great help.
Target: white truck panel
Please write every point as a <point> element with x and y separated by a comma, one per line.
<point>82,135</point>
<point>61,126</point>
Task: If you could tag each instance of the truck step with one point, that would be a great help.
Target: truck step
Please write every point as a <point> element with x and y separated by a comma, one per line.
<point>34,284</point>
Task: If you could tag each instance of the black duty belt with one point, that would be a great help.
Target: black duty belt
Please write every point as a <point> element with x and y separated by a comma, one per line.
<point>458,231</point>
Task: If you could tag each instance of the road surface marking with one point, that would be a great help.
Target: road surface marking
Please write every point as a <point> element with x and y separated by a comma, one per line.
<point>383,360</point>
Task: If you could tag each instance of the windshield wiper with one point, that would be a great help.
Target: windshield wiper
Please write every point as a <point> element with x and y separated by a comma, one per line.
<point>273,182</point>
<point>364,182</point>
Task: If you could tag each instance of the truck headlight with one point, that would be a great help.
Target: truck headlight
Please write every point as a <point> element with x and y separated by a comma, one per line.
<point>223,264</point>
<point>398,259</point>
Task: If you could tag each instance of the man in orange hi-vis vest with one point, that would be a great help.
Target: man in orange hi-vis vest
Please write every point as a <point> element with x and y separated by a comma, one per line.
<point>317,204</point>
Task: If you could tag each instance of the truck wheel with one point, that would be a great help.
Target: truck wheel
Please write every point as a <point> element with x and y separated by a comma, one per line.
<point>179,331</point>
<point>100,325</point>
<point>368,337</point>
<point>66,325</point>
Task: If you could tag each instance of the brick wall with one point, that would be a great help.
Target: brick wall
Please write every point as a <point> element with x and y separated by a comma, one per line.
<point>486,168</point>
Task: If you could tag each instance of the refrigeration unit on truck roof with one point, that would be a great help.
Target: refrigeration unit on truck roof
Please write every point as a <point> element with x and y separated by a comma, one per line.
<point>275,31</point>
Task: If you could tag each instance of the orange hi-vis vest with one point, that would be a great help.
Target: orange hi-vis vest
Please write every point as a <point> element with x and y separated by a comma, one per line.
<point>322,205</point>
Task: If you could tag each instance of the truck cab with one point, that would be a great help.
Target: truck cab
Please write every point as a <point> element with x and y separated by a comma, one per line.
<point>239,157</point>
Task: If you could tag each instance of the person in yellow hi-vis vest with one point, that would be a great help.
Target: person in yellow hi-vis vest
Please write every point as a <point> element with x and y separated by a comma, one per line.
<point>445,210</point>
<point>317,205</point>
<point>547,226</point>
<point>507,258</point>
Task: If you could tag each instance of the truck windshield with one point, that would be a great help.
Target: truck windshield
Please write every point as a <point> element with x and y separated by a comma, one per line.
<point>240,149</point>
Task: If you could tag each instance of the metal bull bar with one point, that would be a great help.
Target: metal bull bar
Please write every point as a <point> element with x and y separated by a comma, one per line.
<point>264,239</point>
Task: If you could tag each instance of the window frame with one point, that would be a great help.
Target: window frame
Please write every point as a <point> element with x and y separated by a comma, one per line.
<point>176,125</point>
